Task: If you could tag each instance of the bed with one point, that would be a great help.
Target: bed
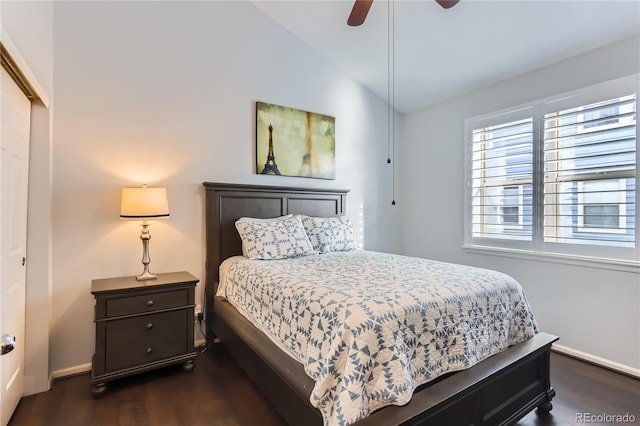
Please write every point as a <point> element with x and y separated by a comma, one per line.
<point>497,390</point>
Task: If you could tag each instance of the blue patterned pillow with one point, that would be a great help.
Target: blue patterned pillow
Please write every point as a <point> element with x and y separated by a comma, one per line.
<point>329,234</point>
<point>269,239</point>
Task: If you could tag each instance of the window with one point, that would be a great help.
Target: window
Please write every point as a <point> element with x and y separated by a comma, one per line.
<point>557,176</point>
<point>599,118</point>
<point>511,203</point>
<point>601,206</point>
<point>502,173</point>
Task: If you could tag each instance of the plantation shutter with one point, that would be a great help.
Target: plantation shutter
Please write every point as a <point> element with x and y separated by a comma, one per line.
<point>557,176</point>
<point>501,180</point>
<point>589,174</point>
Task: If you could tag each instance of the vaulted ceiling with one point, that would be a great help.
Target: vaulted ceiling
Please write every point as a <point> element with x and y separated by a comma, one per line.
<point>433,53</point>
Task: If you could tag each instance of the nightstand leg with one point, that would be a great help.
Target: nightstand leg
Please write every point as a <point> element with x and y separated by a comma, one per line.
<point>98,389</point>
<point>188,366</point>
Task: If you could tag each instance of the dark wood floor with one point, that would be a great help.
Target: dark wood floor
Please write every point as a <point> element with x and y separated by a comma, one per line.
<point>218,393</point>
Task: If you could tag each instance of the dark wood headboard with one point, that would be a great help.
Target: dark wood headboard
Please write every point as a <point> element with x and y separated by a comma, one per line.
<point>226,203</point>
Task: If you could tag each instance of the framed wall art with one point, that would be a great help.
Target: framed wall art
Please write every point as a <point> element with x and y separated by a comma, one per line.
<point>292,142</point>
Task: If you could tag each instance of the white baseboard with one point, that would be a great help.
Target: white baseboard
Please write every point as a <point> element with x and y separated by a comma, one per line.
<point>71,371</point>
<point>611,365</point>
<point>35,391</point>
<point>85,368</point>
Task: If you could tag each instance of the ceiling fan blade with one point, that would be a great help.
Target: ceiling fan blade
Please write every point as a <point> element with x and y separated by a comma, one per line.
<point>359,12</point>
<point>447,4</point>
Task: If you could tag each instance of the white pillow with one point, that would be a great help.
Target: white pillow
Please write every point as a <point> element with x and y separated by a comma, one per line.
<point>267,220</point>
<point>329,234</point>
<point>270,239</point>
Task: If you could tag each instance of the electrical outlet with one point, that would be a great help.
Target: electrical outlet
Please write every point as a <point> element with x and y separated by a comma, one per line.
<point>197,312</point>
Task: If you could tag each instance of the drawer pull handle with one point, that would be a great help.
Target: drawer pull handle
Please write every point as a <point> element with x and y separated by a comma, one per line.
<point>149,326</point>
<point>150,303</point>
<point>148,351</point>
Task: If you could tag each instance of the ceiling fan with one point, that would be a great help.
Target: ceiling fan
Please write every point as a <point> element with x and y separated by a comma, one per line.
<point>361,8</point>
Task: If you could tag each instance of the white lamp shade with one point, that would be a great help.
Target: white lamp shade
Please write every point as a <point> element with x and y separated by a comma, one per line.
<point>144,203</point>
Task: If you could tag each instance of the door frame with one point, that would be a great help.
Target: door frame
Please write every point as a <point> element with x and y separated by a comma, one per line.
<point>38,268</point>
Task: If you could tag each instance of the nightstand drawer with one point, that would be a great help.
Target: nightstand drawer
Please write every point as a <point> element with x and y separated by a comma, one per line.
<point>146,327</point>
<point>146,303</point>
<point>144,353</point>
<point>132,354</point>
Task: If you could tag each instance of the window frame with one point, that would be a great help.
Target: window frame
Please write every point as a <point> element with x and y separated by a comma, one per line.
<point>538,247</point>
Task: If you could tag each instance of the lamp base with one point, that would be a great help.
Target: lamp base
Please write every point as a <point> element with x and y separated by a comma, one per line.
<point>145,237</point>
<point>146,275</point>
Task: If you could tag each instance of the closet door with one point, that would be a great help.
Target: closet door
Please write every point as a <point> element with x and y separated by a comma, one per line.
<point>15,124</point>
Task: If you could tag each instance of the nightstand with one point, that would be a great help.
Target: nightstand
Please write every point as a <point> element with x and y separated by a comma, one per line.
<point>142,325</point>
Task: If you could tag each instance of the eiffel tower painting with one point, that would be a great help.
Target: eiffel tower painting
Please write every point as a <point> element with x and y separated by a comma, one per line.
<point>304,141</point>
<point>270,167</point>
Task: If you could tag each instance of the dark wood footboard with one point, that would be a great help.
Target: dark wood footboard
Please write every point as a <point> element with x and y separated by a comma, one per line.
<point>497,391</point>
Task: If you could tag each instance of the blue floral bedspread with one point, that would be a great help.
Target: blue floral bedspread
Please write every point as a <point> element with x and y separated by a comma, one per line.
<point>371,327</point>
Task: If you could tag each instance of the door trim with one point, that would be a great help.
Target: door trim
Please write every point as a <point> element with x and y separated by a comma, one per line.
<point>18,69</point>
<point>38,377</point>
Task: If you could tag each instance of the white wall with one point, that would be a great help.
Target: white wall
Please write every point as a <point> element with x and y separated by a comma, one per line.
<point>164,93</point>
<point>594,311</point>
<point>30,28</point>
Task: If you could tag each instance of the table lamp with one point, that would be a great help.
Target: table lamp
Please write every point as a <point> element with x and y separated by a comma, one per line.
<point>144,203</point>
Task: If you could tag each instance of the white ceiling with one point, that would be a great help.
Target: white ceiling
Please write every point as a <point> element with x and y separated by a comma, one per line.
<point>442,53</point>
